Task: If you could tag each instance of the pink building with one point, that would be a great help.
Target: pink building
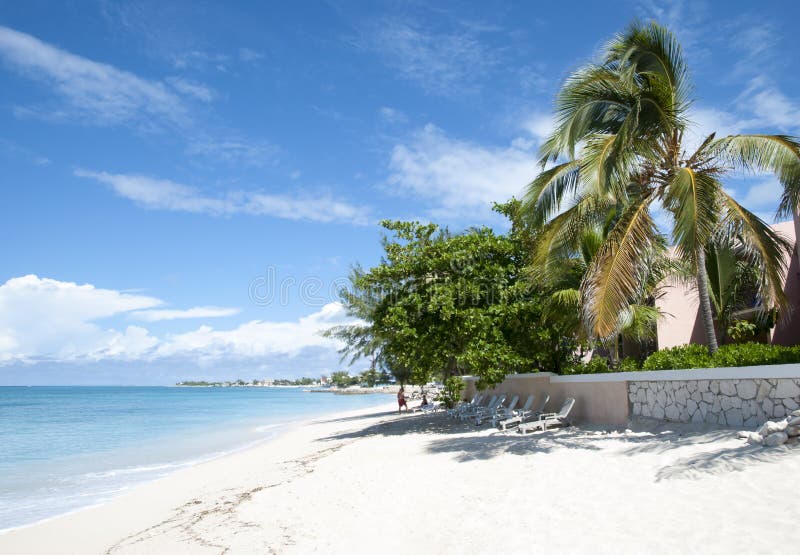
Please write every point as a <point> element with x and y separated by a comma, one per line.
<point>681,323</point>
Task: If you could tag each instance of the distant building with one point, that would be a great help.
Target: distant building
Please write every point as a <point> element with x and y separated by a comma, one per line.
<point>682,324</point>
<point>323,380</point>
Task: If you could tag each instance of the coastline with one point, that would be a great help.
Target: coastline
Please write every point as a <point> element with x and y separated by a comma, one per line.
<point>366,480</point>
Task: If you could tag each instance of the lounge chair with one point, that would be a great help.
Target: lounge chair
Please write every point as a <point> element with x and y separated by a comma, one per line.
<point>550,419</point>
<point>489,411</point>
<point>511,412</point>
<point>472,411</point>
<point>504,412</point>
<point>525,415</point>
<point>455,411</point>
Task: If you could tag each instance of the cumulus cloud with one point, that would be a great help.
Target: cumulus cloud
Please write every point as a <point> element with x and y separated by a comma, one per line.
<point>157,315</point>
<point>258,338</point>
<point>163,194</point>
<point>462,178</point>
<point>94,92</point>
<point>46,320</point>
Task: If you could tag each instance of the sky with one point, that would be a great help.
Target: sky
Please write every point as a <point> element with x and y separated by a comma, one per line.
<point>185,185</point>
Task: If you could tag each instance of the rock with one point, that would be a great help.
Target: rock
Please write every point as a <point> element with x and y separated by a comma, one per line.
<point>775,427</point>
<point>672,413</point>
<point>793,420</point>
<point>773,440</point>
<point>708,397</point>
<point>637,409</point>
<point>658,412</point>
<point>793,431</point>
<point>746,389</point>
<point>691,406</point>
<point>697,397</point>
<point>778,411</point>
<point>767,406</point>
<point>763,430</point>
<point>714,386</point>
<point>763,391</point>
<point>726,387</point>
<point>641,396</point>
<point>790,404</point>
<point>734,418</point>
<point>755,439</point>
<point>702,385</point>
<point>786,389</point>
<point>795,413</point>
<point>743,434</point>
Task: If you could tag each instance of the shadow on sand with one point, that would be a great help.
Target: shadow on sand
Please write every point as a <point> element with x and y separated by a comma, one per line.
<point>466,442</point>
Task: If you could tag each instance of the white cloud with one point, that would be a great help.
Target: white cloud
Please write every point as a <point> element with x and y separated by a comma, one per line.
<point>192,88</point>
<point>440,62</point>
<point>157,315</point>
<point>234,150</point>
<point>771,106</point>
<point>392,115</point>
<point>92,91</point>
<point>46,320</point>
<point>463,178</point>
<point>162,194</point>
<point>258,338</point>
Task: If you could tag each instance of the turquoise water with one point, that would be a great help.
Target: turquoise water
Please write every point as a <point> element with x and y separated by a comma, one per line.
<point>65,448</point>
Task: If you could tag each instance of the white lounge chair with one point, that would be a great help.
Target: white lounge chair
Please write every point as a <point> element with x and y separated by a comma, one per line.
<point>550,419</point>
<point>511,412</point>
<point>489,411</point>
<point>505,412</point>
<point>455,411</point>
<point>532,411</point>
<point>472,411</point>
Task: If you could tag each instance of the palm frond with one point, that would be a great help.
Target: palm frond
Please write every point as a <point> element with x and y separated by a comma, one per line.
<point>762,246</point>
<point>691,197</point>
<point>543,196</point>
<point>779,154</point>
<point>612,277</point>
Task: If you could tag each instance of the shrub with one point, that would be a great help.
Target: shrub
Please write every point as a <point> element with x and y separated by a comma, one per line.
<point>742,330</point>
<point>450,395</point>
<point>754,354</point>
<point>598,365</point>
<point>684,356</point>
<point>741,354</point>
<point>629,364</point>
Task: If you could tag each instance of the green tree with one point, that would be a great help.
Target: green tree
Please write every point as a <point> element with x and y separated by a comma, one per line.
<point>618,147</point>
<point>445,305</point>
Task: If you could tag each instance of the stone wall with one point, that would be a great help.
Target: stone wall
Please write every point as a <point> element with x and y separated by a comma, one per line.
<point>744,402</point>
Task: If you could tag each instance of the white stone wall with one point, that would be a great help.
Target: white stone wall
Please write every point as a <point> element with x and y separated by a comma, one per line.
<point>742,402</point>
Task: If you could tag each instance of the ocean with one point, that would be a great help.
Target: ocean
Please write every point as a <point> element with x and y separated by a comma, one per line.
<point>66,448</point>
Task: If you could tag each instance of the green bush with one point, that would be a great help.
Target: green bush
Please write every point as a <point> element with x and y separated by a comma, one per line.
<point>450,395</point>
<point>755,354</point>
<point>741,354</point>
<point>629,364</point>
<point>685,356</point>
<point>598,365</point>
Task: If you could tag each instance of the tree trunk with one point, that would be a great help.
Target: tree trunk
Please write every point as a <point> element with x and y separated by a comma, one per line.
<point>705,302</point>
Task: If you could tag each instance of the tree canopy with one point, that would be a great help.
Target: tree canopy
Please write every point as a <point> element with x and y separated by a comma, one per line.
<point>441,304</point>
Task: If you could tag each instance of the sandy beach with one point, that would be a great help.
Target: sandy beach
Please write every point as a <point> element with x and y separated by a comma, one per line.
<point>371,480</point>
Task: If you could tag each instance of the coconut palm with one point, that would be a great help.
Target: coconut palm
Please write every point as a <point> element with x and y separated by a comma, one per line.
<point>618,148</point>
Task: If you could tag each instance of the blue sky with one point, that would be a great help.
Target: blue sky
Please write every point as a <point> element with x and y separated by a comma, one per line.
<point>168,169</point>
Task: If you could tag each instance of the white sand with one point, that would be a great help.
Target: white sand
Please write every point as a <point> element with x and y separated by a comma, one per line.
<point>371,481</point>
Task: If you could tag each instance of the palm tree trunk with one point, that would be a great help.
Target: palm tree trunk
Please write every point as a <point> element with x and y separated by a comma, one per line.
<point>705,301</point>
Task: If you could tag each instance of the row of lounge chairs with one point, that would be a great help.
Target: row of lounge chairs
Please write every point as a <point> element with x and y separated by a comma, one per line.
<point>530,417</point>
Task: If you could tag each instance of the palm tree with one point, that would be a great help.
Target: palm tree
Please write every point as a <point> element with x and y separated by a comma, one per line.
<point>618,147</point>
<point>637,321</point>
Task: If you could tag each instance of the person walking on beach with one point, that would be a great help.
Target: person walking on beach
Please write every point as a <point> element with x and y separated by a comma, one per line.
<point>401,400</point>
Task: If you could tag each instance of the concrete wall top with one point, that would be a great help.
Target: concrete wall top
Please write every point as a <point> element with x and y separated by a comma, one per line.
<point>730,373</point>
